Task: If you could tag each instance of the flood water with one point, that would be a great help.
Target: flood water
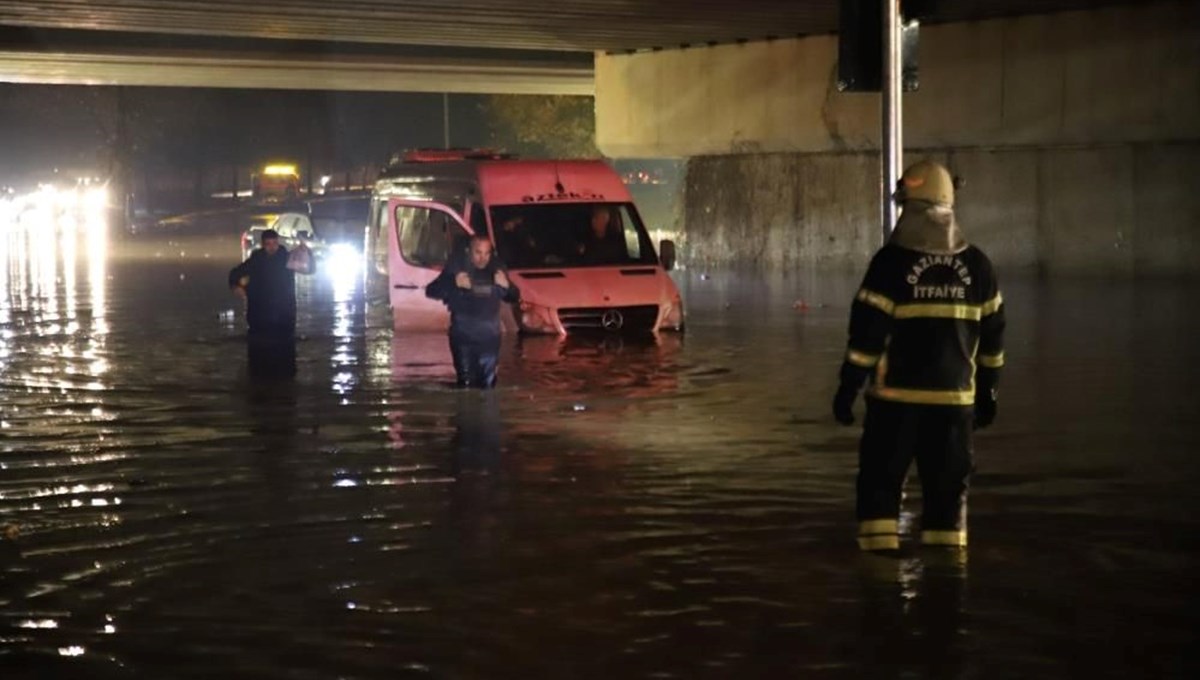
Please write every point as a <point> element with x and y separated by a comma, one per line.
<point>673,509</point>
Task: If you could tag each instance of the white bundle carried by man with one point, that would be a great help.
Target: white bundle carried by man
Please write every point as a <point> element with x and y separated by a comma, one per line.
<point>300,260</point>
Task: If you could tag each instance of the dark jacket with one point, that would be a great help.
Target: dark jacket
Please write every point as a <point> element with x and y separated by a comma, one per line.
<point>474,313</point>
<point>609,250</point>
<point>270,291</point>
<point>518,247</point>
<point>924,324</point>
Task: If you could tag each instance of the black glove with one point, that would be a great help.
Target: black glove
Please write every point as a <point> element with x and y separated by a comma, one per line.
<point>852,379</point>
<point>843,404</point>
<point>985,410</point>
<point>986,381</point>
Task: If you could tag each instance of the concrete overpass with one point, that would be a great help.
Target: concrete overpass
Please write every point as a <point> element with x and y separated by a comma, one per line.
<point>1075,122</point>
<point>514,46</point>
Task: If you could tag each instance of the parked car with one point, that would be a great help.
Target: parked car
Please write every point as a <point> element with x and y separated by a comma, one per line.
<point>340,226</point>
<point>293,229</point>
<point>252,234</point>
<point>334,228</point>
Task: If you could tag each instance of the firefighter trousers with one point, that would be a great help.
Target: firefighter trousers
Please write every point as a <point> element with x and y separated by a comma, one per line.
<point>939,438</point>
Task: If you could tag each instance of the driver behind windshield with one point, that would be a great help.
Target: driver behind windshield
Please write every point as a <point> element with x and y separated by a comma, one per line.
<point>603,244</point>
<point>516,243</point>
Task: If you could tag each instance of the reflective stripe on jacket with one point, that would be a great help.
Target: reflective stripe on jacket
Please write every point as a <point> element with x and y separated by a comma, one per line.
<point>924,322</point>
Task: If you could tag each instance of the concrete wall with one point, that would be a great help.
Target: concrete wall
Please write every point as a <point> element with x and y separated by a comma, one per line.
<point>1077,132</point>
<point>1112,210</point>
<point>1114,75</point>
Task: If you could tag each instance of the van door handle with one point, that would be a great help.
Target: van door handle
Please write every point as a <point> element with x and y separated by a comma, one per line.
<point>404,286</point>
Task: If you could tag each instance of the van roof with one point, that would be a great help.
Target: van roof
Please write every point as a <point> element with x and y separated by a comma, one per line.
<point>510,182</point>
<point>427,155</point>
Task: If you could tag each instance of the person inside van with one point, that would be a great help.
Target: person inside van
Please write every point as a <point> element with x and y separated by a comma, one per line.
<point>473,287</point>
<point>604,243</point>
<point>516,244</point>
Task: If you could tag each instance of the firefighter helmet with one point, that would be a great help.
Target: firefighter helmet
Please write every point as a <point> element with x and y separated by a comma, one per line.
<point>927,181</point>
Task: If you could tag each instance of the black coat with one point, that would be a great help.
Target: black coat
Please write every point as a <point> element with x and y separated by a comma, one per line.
<point>610,250</point>
<point>270,291</point>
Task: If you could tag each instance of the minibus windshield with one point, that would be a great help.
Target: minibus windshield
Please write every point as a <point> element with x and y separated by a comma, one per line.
<point>561,235</point>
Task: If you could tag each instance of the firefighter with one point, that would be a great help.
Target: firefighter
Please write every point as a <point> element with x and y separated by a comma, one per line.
<point>926,328</point>
<point>473,288</point>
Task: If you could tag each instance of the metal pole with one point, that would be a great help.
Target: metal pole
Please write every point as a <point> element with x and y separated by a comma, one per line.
<point>890,146</point>
<point>898,91</point>
<point>445,120</point>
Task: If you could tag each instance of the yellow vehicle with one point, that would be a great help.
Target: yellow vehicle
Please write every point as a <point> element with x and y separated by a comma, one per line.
<point>276,183</point>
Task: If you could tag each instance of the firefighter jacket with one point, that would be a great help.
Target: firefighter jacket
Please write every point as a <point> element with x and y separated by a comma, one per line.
<point>922,323</point>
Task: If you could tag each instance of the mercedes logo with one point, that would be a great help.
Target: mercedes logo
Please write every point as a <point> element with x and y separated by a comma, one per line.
<point>612,320</point>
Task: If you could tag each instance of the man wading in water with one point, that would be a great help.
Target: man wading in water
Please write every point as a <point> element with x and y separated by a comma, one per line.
<point>267,281</point>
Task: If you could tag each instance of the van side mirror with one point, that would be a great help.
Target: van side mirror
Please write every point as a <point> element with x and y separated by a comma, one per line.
<point>666,254</point>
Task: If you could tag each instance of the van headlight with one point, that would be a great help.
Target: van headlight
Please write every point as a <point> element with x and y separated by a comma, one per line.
<point>537,318</point>
<point>672,315</point>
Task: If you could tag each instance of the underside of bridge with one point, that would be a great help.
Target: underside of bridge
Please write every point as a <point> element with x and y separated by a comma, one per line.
<point>514,46</point>
<point>1075,122</point>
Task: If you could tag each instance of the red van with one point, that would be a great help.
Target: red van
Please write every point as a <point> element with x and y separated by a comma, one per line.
<point>567,230</point>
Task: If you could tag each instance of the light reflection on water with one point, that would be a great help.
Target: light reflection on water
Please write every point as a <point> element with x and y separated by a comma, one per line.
<point>678,508</point>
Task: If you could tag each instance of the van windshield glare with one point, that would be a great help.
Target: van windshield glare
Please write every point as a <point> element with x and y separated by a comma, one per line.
<point>563,235</point>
